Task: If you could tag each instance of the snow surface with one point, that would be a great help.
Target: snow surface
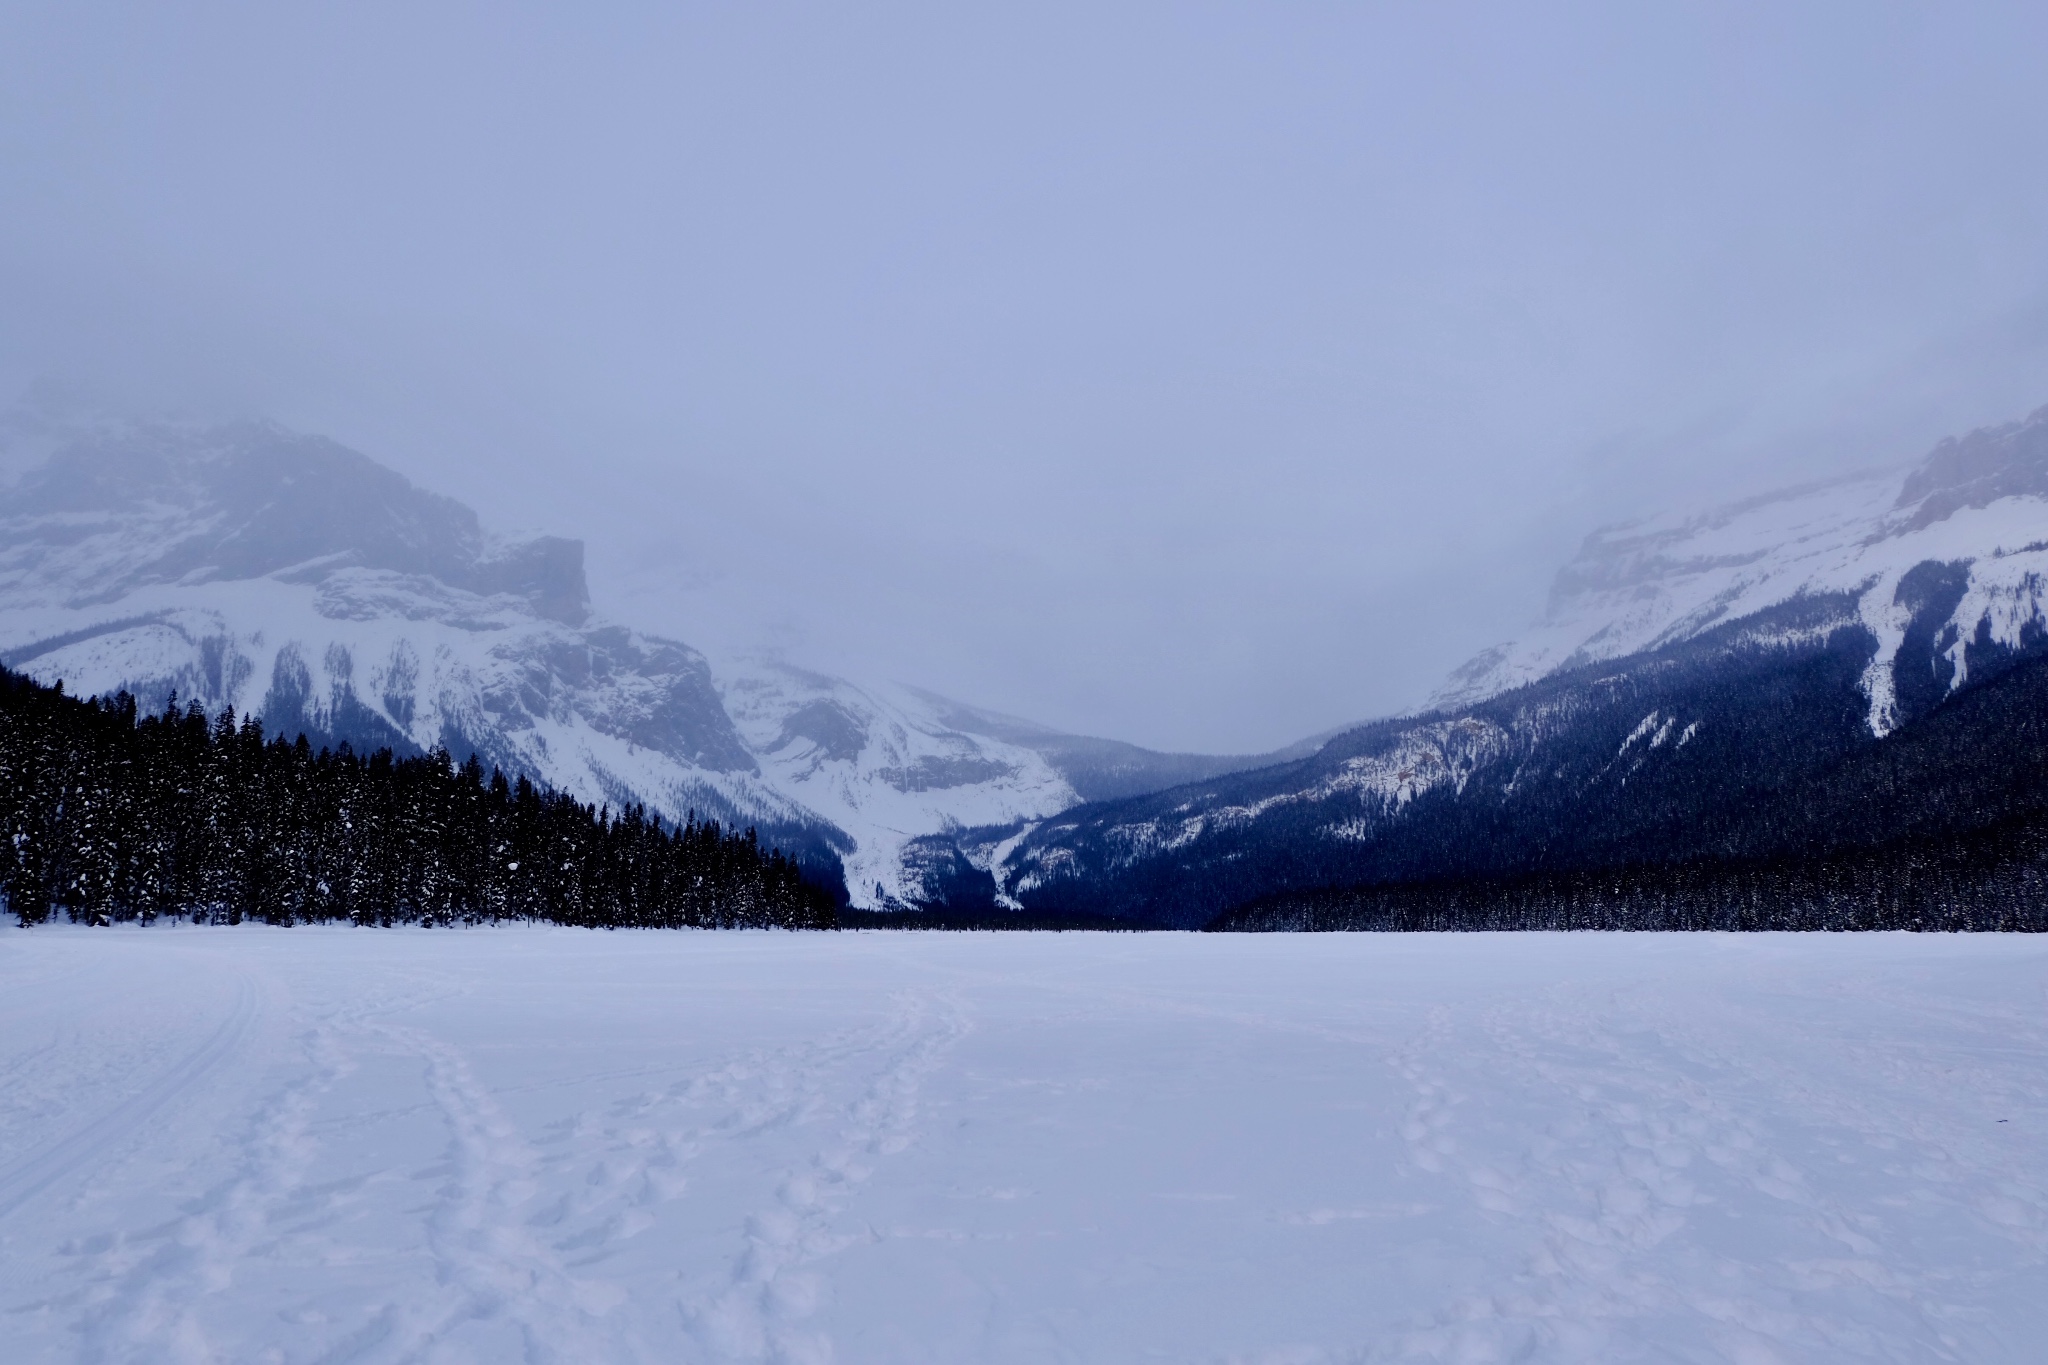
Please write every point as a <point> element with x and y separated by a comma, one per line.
<point>553,1145</point>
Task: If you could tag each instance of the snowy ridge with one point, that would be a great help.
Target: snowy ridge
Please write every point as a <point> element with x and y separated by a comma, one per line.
<point>1373,785</point>
<point>884,765</point>
<point>1352,793</point>
<point>1981,501</point>
<point>291,578</point>
<point>366,654</point>
<point>1691,672</point>
<point>288,577</point>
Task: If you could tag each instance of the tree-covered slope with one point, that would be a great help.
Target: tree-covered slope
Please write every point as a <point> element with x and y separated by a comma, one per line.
<point>106,814</point>
<point>1749,688</point>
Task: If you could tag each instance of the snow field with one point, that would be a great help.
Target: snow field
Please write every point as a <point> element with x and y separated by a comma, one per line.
<point>329,1145</point>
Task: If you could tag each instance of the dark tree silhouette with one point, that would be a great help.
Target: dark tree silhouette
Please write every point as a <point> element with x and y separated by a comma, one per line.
<point>107,815</point>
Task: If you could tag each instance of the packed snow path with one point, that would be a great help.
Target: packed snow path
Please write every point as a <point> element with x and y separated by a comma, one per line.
<point>511,1145</point>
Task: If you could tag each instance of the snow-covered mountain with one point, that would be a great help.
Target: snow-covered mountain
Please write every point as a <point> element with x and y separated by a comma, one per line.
<point>1704,689</point>
<point>287,576</point>
<point>904,771</point>
<point>883,764</point>
<point>1978,503</point>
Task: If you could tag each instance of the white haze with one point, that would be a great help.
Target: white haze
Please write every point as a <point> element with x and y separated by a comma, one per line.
<point>1199,377</point>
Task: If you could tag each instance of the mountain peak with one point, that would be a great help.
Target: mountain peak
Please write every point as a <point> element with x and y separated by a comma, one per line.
<point>250,499</point>
<point>1975,498</point>
<point>1978,469</point>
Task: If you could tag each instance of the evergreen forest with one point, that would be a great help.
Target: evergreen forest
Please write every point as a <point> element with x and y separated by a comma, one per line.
<point>107,815</point>
<point>1941,825</point>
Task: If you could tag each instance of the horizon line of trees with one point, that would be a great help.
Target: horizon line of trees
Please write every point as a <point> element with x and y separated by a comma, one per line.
<point>1994,880</point>
<point>107,815</point>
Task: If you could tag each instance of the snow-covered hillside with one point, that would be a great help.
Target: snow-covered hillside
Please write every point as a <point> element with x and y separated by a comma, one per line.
<point>287,576</point>
<point>893,765</point>
<point>1706,690</point>
<point>1979,501</point>
<point>883,764</point>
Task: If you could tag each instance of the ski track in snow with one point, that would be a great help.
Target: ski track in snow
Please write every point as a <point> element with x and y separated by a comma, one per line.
<point>23,1181</point>
<point>546,1146</point>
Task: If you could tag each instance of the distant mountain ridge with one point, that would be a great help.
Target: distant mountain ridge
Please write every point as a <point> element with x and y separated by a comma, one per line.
<point>1973,500</point>
<point>288,576</point>
<point>1693,686</point>
<point>1695,696</point>
<point>1105,769</point>
<point>254,499</point>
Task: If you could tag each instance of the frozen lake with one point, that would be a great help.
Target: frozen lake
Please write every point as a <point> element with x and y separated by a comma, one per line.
<point>505,1145</point>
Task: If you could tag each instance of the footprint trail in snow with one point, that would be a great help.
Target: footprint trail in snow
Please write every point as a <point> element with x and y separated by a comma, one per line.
<point>327,1146</point>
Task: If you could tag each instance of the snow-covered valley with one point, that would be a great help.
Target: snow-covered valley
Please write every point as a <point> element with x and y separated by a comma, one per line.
<point>510,1144</point>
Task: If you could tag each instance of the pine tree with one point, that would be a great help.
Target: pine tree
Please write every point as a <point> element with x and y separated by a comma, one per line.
<point>109,815</point>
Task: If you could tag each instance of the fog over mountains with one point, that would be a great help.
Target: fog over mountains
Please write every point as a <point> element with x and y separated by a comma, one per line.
<point>285,575</point>
<point>1975,502</point>
<point>1712,690</point>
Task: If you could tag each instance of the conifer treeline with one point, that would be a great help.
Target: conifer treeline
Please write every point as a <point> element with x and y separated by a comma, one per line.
<point>1994,882</point>
<point>110,815</point>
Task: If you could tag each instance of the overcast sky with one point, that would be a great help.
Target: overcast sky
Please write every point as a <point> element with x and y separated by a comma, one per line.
<point>1200,375</point>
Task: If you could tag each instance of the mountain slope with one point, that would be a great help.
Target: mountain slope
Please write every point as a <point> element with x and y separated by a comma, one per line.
<point>1693,687</point>
<point>905,772</point>
<point>884,765</point>
<point>1975,500</point>
<point>1103,769</point>
<point>290,577</point>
